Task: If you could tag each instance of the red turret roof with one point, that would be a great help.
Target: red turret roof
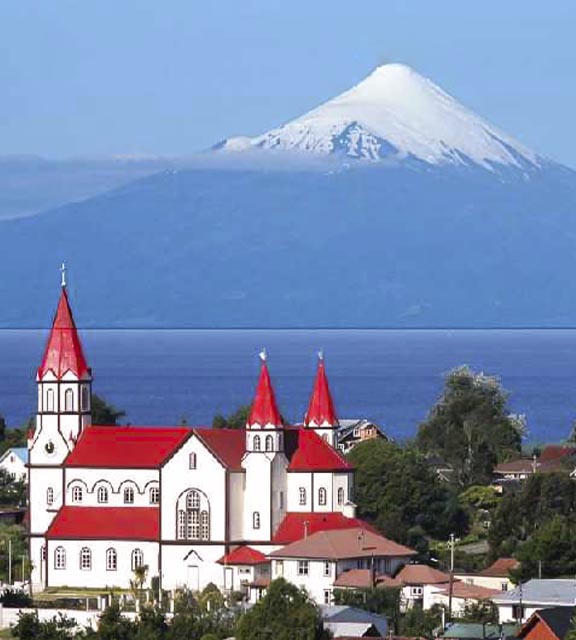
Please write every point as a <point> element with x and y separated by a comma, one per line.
<point>321,408</point>
<point>264,409</point>
<point>64,349</point>
<point>243,556</point>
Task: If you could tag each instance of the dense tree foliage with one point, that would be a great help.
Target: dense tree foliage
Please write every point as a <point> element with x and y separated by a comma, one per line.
<point>397,491</point>
<point>104,413</point>
<point>284,613</point>
<point>382,600</point>
<point>236,420</point>
<point>417,623</point>
<point>470,427</point>
<point>29,627</point>
<point>537,524</point>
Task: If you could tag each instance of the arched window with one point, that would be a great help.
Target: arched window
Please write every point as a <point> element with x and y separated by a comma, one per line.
<point>154,495</point>
<point>59,558</point>
<point>257,443</point>
<point>50,496</point>
<point>269,443</point>
<point>302,495</point>
<point>137,559</point>
<point>111,560</point>
<point>340,495</point>
<point>43,552</point>
<point>85,559</point>
<point>129,495</point>
<point>69,400</point>
<point>85,399</point>
<point>50,400</point>
<point>193,516</point>
<point>192,461</point>
<point>256,520</point>
<point>77,494</point>
<point>322,496</point>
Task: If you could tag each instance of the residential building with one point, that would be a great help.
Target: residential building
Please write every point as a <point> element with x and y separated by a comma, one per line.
<point>351,432</point>
<point>14,461</point>
<point>547,624</point>
<point>496,576</point>
<point>523,601</point>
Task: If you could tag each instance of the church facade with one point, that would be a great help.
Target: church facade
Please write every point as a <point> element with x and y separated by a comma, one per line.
<point>182,501</point>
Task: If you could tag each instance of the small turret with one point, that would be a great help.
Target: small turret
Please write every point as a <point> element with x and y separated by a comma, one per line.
<point>321,415</point>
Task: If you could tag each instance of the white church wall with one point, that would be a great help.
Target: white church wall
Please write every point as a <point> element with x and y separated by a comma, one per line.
<point>115,480</point>
<point>322,492</point>
<point>236,507</point>
<point>186,565</point>
<point>279,490</point>
<point>42,480</point>
<point>98,576</point>
<point>341,481</point>
<point>257,496</point>
<point>295,482</point>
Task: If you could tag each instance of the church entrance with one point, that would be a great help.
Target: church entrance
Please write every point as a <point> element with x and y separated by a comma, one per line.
<point>193,577</point>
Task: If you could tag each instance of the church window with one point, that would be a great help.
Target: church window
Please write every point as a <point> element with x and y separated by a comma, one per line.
<point>257,443</point>
<point>85,559</point>
<point>129,495</point>
<point>154,495</point>
<point>340,495</point>
<point>50,496</point>
<point>193,516</point>
<point>322,496</point>
<point>43,552</point>
<point>137,559</point>
<point>269,443</point>
<point>192,461</point>
<point>69,400</point>
<point>102,494</point>
<point>50,400</point>
<point>281,499</point>
<point>77,494</point>
<point>59,558</point>
<point>302,496</point>
<point>85,399</point>
<point>256,520</point>
<point>111,560</point>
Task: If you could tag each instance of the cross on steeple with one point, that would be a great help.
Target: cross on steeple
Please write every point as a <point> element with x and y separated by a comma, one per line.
<point>63,275</point>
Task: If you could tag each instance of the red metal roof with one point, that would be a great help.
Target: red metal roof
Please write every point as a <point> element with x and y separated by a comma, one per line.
<point>106,523</point>
<point>243,555</point>
<point>321,408</point>
<point>126,447</point>
<point>296,525</point>
<point>63,351</point>
<point>264,409</point>
<point>228,445</point>
<point>500,568</point>
<point>314,454</point>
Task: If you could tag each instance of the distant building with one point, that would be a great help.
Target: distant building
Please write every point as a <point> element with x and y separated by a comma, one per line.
<point>523,601</point>
<point>350,622</point>
<point>14,462</point>
<point>351,432</point>
<point>554,457</point>
<point>496,576</point>
<point>478,631</point>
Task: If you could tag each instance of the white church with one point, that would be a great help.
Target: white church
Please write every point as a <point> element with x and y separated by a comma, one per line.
<point>193,505</point>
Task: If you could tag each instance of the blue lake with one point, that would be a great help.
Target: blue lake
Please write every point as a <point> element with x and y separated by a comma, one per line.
<point>390,376</point>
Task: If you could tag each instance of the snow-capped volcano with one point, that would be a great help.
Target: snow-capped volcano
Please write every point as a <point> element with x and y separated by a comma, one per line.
<point>395,113</point>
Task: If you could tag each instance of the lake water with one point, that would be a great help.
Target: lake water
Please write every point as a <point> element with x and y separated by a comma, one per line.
<point>390,376</point>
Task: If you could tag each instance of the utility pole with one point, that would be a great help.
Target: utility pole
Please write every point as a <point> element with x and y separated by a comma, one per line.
<point>9,560</point>
<point>451,544</point>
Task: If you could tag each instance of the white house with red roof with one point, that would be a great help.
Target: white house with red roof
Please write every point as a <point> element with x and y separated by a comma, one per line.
<point>106,499</point>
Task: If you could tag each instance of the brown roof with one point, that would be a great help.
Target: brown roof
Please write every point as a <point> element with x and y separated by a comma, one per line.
<point>500,568</point>
<point>362,579</point>
<point>469,591</point>
<point>522,465</point>
<point>343,543</point>
<point>421,574</point>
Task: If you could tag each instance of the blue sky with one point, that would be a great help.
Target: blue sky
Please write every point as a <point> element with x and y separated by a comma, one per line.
<point>84,77</point>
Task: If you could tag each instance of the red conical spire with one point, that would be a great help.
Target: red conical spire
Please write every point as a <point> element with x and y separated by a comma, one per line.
<point>264,409</point>
<point>64,349</point>
<point>321,408</point>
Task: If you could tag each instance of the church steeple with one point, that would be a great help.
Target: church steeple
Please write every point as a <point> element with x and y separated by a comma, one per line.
<point>321,415</point>
<point>264,412</point>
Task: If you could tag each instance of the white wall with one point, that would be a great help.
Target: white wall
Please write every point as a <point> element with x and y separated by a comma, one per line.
<point>315,583</point>
<point>485,581</point>
<point>258,494</point>
<point>14,466</point>
<point>295,480</point>
<point>236,506</point>
<point>192,565</point>
<point>116,480</point>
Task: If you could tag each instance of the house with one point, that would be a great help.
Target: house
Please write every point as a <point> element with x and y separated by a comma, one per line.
<point>496,576</point>
<point>351,432</point>
<point>553,458</point>
<point>14,461</point>
<point>416,581</point>
<point>547,624</point>
<point>350,622</point>
<point>319,561</point>
<point>523,601</point>
<point>194,505</point>
<point>463,595</point>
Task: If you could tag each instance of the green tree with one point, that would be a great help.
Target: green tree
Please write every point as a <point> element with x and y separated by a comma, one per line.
<point>417,623</point>
<point>571,633</point>
<point>284,613</point>
<point>12,490</point>
<point>470,427</point>
<point>29,627</point>
<point>397,491</point>
<point>112,625</point>
<point>197,616</point>
<point>104,413</point>
<point>236,420</point>
<point>382,600</point>
<point>483,612</point>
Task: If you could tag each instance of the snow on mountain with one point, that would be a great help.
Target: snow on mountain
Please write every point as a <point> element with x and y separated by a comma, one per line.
<point>395,113</point>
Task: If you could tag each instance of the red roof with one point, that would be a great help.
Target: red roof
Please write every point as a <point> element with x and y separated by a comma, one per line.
<point>556,451</point>
<point>228,445</point>
<point>63,351</point>
<point>243,555</point>
<point>125,447</point>
<point>321,408</point>
<point>295,525</point>
<point>421,574</point>
<point>106,523</point>
<point>315,454</point>
<point>264,409</point>
<point>500,568</point>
